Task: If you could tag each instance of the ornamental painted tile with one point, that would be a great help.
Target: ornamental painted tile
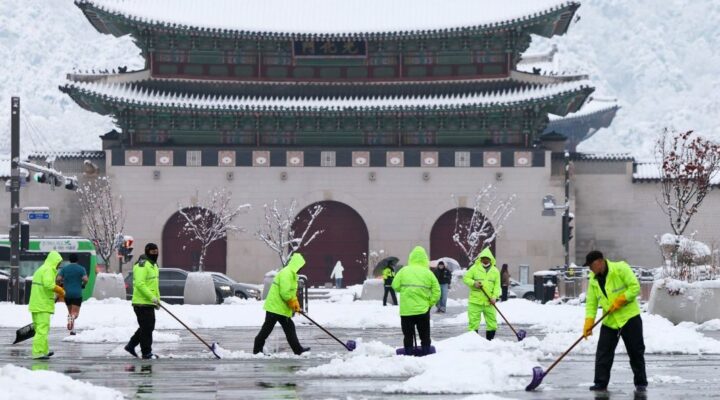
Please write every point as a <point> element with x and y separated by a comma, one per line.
<point>360,158</point>
<point>395,159</point>
<point>491,159</point>
<point>226,158</point>
<point>163,158</point>
<point>523,158</point>
<point>428,158</point>
<point>133,157</point>
<point>261,158</point>
<point>295,159</point>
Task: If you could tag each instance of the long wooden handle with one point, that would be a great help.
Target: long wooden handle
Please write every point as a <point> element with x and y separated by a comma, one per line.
<point>575,344</point>
<point>323,329</point>
<point>500,312</point>
<point>186,327</point>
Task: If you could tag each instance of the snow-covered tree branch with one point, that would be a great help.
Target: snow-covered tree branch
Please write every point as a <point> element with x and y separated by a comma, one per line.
<point>688,166</point>
<point>488,217</point>
<point>102,215</point>
<point>279,234</point>
<point>210,219</point>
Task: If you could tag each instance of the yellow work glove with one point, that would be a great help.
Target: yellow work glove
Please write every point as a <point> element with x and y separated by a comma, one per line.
<point>618,303</point>
<point>587,329</point>
<point>294,304</point>
<point>60,292</point>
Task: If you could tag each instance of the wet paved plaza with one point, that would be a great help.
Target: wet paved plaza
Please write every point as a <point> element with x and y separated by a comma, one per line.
<point>188,372</point>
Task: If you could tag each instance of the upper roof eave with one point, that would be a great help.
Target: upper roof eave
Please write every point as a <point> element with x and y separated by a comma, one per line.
<point>97,13</point>
<point>130,95</point>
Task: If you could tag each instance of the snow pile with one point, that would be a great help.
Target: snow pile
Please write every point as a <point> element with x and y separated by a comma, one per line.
<point>22,384</point>
<point>505,366</point>
<point>116,335</point>
<point>686,245</point>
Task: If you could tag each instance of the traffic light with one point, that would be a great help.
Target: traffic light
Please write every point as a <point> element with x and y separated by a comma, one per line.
<point>40,177</point>
<point>71,184</point>
<point>125,249</point>
<point>567,229</point>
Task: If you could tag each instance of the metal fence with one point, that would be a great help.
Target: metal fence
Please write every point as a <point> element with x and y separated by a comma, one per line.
<point>572,282</point>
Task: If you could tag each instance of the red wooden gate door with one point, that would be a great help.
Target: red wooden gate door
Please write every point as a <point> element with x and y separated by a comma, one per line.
<point>344,238</point>
<point>179,251</point>
<point>441,236</point>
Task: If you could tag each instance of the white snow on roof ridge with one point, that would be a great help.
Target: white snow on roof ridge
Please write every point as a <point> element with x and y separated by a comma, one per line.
<point>329,16</point>
<point>590,107</point>
<point>131,94</point>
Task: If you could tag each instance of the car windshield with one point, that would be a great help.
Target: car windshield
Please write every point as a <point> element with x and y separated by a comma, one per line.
<point>222,277</point>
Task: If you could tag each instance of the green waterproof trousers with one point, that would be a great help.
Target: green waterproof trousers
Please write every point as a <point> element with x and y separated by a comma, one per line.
<point>41,322</point>
<point>475,313</point>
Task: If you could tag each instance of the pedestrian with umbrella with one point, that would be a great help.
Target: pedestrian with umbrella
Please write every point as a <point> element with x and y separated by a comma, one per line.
<point>388,275</point>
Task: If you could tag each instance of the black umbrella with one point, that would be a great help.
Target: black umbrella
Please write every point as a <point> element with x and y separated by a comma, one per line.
<point>384,263</point>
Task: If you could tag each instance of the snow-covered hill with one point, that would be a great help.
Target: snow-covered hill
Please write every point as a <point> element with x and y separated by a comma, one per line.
<point>655,56</point>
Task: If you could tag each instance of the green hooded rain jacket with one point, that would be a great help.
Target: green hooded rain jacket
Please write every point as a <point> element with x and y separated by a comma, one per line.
<point>418,287</point>
<point>284,287</point>
<point>490,280</point>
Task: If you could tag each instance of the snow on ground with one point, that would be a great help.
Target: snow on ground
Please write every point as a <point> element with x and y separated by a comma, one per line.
<point>504,365</point>
<point>116,335</point>
<point>113,321</point>
<point>22,384</point>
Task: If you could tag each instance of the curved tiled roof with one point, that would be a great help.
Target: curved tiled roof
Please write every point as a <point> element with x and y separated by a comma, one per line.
<point>131,94</point>
<point>329,18</point>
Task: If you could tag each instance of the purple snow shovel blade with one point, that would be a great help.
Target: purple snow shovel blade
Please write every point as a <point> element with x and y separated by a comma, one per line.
<point>521,335</point>
<point>350,345</point>
<point>537,378</point>
<point>214,349</point>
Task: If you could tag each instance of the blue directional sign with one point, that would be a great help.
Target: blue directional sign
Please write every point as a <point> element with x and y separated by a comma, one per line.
<point>38,215</point>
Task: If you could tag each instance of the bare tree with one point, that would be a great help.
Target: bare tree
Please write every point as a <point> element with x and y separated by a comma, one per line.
<point>210,219</point>
<point>688,166</point>
<point>489,213</point>
<point>102,215</point>
<point>279,234</point>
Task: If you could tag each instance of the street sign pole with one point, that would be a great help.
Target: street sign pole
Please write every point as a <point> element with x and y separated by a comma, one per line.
<point>14,286</point>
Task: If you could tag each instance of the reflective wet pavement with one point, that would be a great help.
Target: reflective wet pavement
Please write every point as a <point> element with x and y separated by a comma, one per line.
<point>194,375</point>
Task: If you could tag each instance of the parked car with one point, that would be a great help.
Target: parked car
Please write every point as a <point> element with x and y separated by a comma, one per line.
<point>172,286</point>
<point>241,290</point>
<point>5,283</point>
<point>521,290</point>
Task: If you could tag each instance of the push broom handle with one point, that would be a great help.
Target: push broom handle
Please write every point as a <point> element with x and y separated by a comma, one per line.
<point>575,344</point>
<point>500,312</point>
<point>323,329</point>
<point>186,327</point>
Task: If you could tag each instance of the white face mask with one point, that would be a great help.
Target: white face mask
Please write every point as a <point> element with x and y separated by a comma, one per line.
<point>486,265</point>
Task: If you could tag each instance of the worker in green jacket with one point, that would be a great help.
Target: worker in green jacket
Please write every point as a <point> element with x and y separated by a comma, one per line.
<point>145,300</point>
<point>483,279</point>
<point>419,290</point>
<point>388,274</point>
<point>42,303</point>
<point>280,304</point>
<point>614,287</point>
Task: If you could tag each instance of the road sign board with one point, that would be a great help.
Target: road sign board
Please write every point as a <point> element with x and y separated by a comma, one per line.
<point>38,215</point>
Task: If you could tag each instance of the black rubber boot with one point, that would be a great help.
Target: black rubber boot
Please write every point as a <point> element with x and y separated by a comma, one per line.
<point>490,335</point>
<point>598,388</point>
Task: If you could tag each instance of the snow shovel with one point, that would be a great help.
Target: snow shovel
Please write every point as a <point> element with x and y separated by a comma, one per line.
<point>24,333</point>
<point>539,375</point>
<point>350,345</point>
<point>520,334</point>
<point>212,347</point>
<point>417,351</point>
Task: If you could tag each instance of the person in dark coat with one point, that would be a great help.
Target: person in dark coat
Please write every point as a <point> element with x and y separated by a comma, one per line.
<point>504,282</point>
<point>444,277</point>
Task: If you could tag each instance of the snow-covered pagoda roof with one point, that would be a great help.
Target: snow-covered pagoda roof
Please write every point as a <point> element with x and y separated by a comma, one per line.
<point>130,94</point>
<point>331,18</point>
<point>649,171</point>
